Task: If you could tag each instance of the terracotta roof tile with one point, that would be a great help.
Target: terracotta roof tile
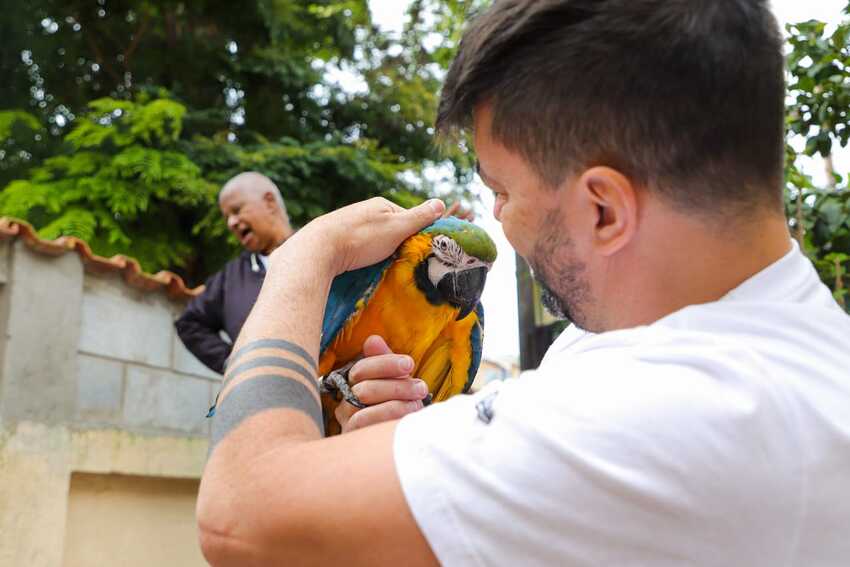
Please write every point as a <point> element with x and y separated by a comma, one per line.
<point>129,268</point>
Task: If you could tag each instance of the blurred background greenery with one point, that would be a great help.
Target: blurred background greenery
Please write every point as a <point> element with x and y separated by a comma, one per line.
<point>818,114</point>
<point>121,119</point>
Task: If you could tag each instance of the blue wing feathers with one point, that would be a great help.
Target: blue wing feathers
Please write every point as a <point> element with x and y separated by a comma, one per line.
<point>346,291</point>
<point>476,341</point>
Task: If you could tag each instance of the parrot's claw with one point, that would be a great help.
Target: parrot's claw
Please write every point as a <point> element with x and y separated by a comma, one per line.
<point>337,382</point>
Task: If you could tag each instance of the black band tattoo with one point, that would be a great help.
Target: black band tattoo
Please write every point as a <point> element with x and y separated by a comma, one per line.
<point>268,361</point>
<point>272,343</point>
<point>271,361</point>
<point>261,393</point>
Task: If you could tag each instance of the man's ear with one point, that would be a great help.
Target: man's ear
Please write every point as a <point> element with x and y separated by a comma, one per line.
<point>615,199</point>
<point>269,201</point>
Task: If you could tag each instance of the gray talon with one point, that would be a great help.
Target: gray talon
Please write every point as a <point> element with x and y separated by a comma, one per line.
<point>337,382</point>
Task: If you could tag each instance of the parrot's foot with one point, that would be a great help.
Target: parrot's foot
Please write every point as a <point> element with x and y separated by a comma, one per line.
<point>337,383</point>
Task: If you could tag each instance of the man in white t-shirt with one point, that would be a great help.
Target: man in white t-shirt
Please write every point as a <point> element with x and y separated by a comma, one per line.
<point>699,414</point>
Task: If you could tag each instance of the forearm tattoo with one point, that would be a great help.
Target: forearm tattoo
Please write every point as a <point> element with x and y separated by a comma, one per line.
<point>271,361</point>
<point>266,391</point>
<point>272,343</point>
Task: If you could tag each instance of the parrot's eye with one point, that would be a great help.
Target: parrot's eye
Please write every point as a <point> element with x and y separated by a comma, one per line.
<point>443,245</point>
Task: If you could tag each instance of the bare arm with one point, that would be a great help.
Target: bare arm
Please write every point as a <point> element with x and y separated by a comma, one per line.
<point>274,491</point>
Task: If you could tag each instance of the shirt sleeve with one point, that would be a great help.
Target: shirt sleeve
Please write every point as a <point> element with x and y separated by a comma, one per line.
<point>199,325</point>
<point>651,465</point>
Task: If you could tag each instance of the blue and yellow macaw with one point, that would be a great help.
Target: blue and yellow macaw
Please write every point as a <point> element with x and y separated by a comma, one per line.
<point>424,302</point>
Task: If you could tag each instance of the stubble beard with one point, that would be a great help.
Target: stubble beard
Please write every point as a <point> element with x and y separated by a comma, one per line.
<point>565,290</point>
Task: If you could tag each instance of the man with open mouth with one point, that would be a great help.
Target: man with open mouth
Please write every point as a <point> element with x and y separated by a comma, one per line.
<point>255,213</point>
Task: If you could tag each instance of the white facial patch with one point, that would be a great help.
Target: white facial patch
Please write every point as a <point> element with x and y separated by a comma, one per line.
<point>449,257</point>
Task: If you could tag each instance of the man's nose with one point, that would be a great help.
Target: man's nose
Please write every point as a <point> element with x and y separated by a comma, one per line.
<point>232,221</point>
<point>497,211</point>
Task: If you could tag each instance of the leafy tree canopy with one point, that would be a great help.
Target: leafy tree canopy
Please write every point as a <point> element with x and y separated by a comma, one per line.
<point>122,118</point>
<point>819,122</point>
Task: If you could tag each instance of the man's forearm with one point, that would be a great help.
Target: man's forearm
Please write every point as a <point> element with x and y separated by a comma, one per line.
<point>273,365</point>
<point>269,404</point>
<point>271,489</point>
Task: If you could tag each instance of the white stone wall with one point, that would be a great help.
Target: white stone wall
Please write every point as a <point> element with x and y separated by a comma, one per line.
<point>133,371</point>
<point>93,379</point>
<point>91,351</point>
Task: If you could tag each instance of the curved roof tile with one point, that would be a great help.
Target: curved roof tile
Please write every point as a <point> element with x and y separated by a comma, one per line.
<point>129,268</point>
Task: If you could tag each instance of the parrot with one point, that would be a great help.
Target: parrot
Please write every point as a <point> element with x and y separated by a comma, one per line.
<point>424,300</point>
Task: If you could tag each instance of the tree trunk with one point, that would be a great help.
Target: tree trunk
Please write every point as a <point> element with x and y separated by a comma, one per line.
<point>829,168</point>
<point>800,230</point>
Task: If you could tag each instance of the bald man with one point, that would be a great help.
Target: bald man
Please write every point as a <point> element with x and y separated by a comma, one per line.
<point>255,213</point>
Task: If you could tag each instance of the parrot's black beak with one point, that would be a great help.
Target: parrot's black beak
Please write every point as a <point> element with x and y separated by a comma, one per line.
<point>463,289</point>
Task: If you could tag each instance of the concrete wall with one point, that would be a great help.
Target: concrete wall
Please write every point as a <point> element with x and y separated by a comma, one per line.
<point>93,380</point>
<point>130,513</point>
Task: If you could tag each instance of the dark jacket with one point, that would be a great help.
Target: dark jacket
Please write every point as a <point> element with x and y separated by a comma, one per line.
<point>223,306</point>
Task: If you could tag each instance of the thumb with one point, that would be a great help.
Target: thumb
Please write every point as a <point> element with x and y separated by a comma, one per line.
<point>420,216</point>
<point>375,345</point>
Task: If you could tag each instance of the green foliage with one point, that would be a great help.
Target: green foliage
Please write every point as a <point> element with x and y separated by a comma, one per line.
<point>126,116</point>
<point>316,177</point>
<point>10,120</point>
<point>21,134</point>
<point>159,123</point>
<point>122,185</point>
<point>819,90</point>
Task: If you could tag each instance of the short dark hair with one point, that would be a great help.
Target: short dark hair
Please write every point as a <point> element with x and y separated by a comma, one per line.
<point>685,97</point>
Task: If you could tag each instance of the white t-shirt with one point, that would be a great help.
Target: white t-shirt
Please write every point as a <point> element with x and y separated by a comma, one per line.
<point>719,435</point>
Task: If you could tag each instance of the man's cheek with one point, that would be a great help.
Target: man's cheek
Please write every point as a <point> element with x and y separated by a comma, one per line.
<point>514,239</point>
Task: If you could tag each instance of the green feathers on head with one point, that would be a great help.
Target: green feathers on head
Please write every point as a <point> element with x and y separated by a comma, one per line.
<point>473,239</point>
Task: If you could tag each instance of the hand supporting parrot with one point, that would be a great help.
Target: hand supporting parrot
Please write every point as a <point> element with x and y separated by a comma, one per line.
<point>423,300</point>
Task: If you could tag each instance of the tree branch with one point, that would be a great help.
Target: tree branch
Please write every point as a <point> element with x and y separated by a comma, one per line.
<point>100,59</point>
<point>800,230</point>
<point>829,167</point>
<point>136,39</point>
<point>839,282</point>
